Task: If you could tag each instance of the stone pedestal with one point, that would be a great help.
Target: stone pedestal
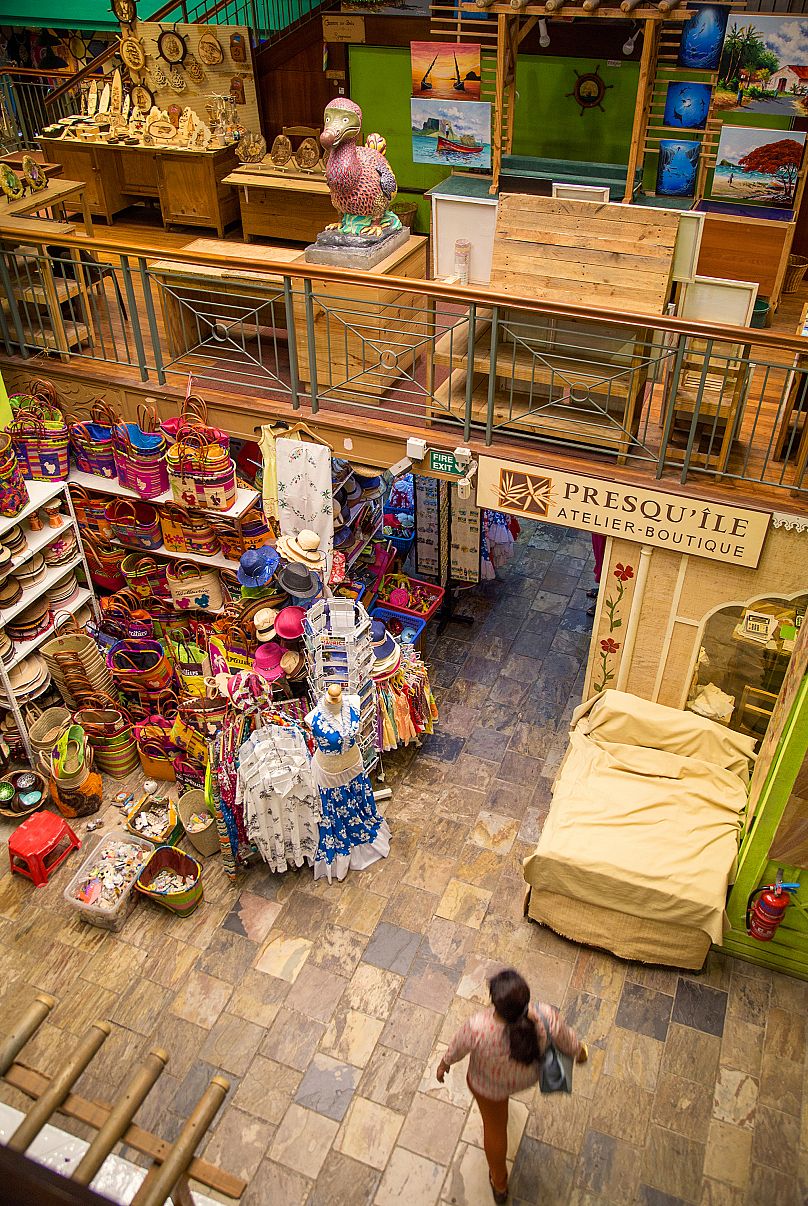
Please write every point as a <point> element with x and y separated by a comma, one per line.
<point>354,251</point>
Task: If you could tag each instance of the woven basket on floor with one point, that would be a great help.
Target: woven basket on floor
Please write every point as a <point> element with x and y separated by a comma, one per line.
<point>795,271</point>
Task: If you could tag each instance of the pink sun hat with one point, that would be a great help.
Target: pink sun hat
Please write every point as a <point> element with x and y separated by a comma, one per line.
<point>267,662</point>
<point>289,623</point>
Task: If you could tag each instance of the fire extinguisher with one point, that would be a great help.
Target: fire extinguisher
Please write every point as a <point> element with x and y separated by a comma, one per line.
<point>765,914</point>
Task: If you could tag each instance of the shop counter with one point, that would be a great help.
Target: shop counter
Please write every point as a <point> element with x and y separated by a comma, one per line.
<point>282,207</point>
<point>189,185</point>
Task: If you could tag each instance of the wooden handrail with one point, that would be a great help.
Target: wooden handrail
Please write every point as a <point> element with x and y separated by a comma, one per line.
<point>230,261</point>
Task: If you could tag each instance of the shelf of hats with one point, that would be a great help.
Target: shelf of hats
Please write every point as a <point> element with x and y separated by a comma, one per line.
<point>220,639</point>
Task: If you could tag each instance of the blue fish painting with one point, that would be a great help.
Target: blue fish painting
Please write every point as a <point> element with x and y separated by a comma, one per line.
<point>687,105</point>
<point>703,38</point>
<point>676,170</point>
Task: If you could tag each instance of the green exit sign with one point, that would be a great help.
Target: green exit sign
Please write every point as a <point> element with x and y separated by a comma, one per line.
<point>444,462</point>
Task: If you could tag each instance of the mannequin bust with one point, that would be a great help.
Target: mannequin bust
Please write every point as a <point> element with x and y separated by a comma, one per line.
<point>333,702</point>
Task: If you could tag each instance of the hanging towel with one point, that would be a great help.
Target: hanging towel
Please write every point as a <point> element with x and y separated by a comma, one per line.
<point>269,479</point>
<point>304,491</point>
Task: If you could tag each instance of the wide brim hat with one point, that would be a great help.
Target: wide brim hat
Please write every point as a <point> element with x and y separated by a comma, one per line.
<point>264,622</point>
<point>299,581</point>
<point>305,549</point>
<point>384,646</point>
<point>257,566</point>
<point>293,664</point>
<point>267,662</point>
<point>340,472</point>
<point>389,665</point>
<point>289,623</point>
<point>342,536</point>
<point>354,492</point>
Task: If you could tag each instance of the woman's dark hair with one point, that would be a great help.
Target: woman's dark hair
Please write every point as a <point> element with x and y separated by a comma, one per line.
<point>510,997</point>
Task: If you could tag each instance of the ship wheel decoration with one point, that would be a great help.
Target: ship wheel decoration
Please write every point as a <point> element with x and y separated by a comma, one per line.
<point>589,90</point>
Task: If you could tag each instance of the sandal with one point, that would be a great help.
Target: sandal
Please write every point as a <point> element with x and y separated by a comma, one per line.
<point>500,1195</point>
<point>71,752</point>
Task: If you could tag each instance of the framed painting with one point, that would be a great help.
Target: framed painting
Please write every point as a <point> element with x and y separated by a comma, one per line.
<point>703,38</point>
<point>687,105</point>
<point>445,70</point>
<point>757,167</point>
<point>456,135</point>
<point>764,66</point>
<point>677,167</point>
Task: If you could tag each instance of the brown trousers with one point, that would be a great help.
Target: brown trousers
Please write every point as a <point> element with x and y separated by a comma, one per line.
<point>495,1138</point>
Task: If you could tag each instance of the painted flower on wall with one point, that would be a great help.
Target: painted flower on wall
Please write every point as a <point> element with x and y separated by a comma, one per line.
<point>609,647</point>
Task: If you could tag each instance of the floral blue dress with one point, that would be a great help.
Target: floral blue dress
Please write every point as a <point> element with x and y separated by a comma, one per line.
<point>353,834</point>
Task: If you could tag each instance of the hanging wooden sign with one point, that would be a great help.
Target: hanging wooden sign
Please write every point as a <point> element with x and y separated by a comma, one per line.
<point>210,49</point>
<point>238,48</point>
<point>237,90</point>
<point>133,54</point>
<point>141,98</point>
<point>171,46</point>
<point>124,10</point>
<point>343,27</point>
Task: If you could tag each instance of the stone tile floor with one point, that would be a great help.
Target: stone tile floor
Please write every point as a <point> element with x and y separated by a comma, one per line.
<point>328,1007</point>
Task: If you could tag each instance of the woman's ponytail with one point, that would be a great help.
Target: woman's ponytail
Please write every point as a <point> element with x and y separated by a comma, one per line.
<point>510,996</point>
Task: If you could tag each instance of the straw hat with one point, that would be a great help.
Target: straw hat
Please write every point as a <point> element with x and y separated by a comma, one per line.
<point>257,566</point>
<point>264,621</point>
<point>293,664</point>
<point>303,548</point>
<point>386,651</point>
<point>289,624</point>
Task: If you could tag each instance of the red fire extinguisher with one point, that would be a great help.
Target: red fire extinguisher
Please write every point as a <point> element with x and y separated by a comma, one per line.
<point>765,914</point>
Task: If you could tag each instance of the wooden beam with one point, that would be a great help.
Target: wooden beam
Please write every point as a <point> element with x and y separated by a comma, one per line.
<point>95,1114</point>
<point>526,28</point>
<point>647,59</point>
<point>499,102</point>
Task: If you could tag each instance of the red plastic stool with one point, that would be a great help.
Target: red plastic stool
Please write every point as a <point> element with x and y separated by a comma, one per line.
<point>40,845</point>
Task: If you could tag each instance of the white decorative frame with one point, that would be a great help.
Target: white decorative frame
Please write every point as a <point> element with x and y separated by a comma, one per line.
<point>580,192</point>
<point>711,299</point>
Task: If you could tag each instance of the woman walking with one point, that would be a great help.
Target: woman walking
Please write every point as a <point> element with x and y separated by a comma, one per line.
<point>506,1043</point>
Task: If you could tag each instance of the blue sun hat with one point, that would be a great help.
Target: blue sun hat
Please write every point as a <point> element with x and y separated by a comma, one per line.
<point>257,566</point>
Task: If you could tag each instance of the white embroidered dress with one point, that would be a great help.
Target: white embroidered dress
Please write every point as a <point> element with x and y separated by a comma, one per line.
<point>280,802</point>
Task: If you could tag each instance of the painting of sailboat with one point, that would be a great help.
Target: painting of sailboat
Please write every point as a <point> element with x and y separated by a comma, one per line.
<point>455,135</point>
<point>445,70</point>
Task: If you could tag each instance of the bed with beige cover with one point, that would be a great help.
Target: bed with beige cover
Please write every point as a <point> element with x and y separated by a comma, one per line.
<point>641,840</point>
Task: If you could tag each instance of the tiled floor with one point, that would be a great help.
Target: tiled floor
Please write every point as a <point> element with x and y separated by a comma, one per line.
<point>328,1007</point>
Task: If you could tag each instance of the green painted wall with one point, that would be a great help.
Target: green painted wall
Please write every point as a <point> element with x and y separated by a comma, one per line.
<point>79,14</point>
<point>549,123</point>
<point>380,85</point>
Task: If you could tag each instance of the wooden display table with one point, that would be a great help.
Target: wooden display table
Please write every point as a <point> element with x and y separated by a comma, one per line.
<point>190,289</point>
<point>282,207</point>
<point>54,196</point>
<point>368,336</point>
<point>188,184</point>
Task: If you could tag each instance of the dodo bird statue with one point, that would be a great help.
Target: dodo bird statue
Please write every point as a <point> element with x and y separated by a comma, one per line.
<point>361,181</point>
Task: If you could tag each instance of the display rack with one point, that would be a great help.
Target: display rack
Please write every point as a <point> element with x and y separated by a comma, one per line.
<point>40,493</point>
<point>339,651</point>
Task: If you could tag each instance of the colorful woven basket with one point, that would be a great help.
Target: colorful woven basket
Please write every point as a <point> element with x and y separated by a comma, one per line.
<point>202,472</point>
<point>92,443</point>
<point>42,446</point>
<point>13,490</point>
<point>139,450</point>
<point>170,859</point>
<point>135,523</point>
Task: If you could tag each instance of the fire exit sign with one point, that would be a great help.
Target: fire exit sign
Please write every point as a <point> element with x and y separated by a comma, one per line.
<point>444,462</point>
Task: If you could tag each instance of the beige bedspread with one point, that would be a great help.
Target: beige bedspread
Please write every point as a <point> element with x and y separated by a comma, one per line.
<point>647,831</point>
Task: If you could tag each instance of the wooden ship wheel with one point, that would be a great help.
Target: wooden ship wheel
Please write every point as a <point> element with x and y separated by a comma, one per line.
<point>589,90</point>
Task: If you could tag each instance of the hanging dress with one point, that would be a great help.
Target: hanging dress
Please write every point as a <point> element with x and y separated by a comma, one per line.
<point>275,789</point>
<point>353,834</point>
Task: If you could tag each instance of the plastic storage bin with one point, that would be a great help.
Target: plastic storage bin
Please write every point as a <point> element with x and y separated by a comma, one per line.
<point>114,918</point>
<point>410,624</point>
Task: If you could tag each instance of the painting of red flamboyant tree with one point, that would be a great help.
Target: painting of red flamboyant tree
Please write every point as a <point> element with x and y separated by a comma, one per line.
<point>757,167</point>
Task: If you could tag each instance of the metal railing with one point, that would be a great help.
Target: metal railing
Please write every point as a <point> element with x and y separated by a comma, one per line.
<point>26,105</point>
<point>673,398</point>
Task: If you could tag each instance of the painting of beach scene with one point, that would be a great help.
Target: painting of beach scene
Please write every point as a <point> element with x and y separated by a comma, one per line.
<point>703,37</point>
<point>445,70</point>
<point>451,134</point>
<point>687,105</point>
<point>677,166</point>
<point>764,66</point>
<point>757,167</point>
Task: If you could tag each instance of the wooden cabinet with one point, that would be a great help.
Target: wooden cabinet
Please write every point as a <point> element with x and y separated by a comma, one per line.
<point>188,184</point>
<point>88,163</point>
<point>282,207</point>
